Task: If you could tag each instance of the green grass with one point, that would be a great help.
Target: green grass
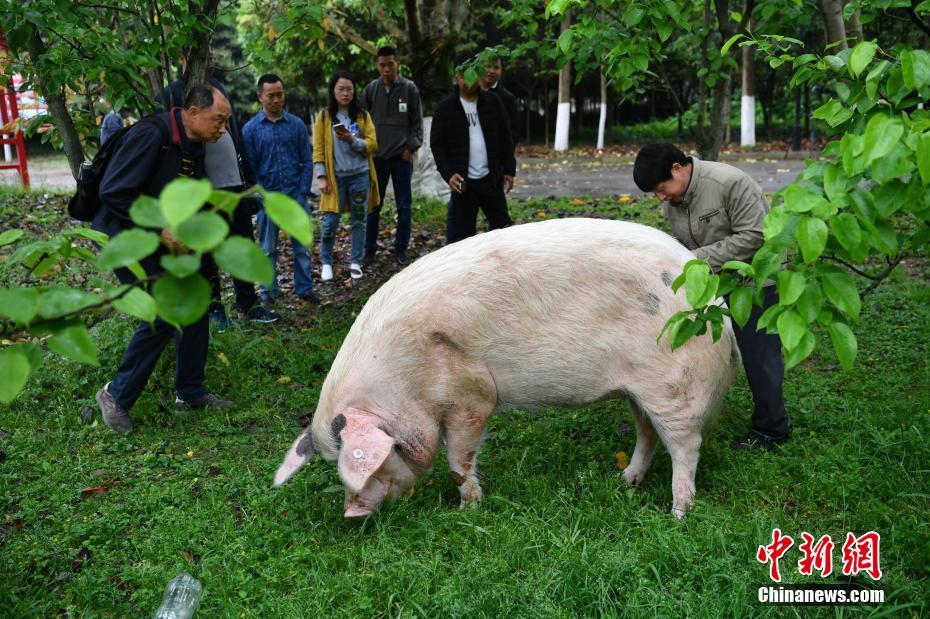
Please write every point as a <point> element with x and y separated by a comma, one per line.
<point>558,535</point>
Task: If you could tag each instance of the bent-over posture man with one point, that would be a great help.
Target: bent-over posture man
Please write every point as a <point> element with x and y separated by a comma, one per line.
<point>717,211</point>
<point>143,164</point>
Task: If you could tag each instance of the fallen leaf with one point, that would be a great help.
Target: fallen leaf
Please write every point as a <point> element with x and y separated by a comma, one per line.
<point>98,489</point>
<point>223,359</point>
<point>577,202</point>
<point>187,556</point>
<point>190,454</point>
<point>541,213</point>
<point>624,199</point>
<point>622,460</point>
<point>284,380</point>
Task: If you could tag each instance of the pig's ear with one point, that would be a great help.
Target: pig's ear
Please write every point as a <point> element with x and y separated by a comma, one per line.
<point>365,447</point>
<point>299,454</point>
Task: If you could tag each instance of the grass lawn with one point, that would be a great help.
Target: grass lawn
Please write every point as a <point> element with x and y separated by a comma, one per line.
<point>95,524</point>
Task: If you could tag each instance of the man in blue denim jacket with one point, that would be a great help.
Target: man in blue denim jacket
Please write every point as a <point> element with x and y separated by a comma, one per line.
<point>278,145</point>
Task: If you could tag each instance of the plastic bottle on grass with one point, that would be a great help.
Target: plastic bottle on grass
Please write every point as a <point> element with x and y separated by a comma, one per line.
<point>182,595</point>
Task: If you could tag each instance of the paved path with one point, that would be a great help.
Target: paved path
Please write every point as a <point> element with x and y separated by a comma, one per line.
<point>536,177</point>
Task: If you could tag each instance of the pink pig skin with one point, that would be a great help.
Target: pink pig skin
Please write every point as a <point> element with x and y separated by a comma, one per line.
<point>561,312</point>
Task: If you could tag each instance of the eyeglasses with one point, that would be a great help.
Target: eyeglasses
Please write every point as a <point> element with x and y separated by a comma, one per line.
<point>345,89</point>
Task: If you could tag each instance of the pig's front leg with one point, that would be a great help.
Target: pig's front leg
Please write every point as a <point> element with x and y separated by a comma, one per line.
<point>464,431</point>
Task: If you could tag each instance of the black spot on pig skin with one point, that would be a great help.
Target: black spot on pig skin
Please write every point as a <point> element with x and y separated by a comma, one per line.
<point>338,424</point>
<point>441,339</point>
<point>651,304</point>
<point>458,478</point>
<point>305,446</point>
<point>667,278</point>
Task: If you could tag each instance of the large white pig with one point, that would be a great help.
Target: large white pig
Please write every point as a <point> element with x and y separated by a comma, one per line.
<point>560,312</point>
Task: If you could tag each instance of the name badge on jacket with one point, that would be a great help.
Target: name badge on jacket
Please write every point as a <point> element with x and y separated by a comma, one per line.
<point>402,107</point>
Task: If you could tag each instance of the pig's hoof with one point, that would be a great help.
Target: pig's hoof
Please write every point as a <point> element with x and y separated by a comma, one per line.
<point>679,512</point>
<point>471,495</point>
<point>634,476</point>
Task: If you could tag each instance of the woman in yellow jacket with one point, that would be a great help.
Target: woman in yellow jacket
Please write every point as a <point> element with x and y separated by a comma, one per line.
<point>343,142</point>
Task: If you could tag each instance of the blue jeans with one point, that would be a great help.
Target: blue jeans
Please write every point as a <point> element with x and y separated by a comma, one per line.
<point>353,196</point>
<point>268,240</point>
<point>402,173</point>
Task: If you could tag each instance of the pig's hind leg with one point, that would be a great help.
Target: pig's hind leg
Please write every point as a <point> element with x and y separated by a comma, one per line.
<point>646,438</point>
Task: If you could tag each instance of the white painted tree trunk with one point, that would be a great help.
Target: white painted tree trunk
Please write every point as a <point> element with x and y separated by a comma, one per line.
<point>602,124</point>
<point>564,111</point>
<point>747,115</point>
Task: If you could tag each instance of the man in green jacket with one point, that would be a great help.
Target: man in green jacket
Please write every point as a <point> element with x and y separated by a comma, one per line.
<point>717,211</point>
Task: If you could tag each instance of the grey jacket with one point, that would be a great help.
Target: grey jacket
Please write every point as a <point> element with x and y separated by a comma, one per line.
<point>398,115</point>
<point>720,217</point>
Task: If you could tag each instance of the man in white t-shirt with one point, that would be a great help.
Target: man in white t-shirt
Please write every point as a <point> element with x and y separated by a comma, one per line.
<point>471,143</point>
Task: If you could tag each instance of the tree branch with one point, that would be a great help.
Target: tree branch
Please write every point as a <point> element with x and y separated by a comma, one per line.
<point>912,13</point>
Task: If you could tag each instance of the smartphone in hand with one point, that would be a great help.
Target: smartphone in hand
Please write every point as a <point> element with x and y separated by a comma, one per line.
<point>339,127</point>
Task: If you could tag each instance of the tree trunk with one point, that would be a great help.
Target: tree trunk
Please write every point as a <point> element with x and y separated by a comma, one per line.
<point>204,13</point>
<point>57,107</point>
<point>601,126</point>
<point>748,100</point>
<point>833,24</point>
<point>563,114</point>
<point>854,27</point>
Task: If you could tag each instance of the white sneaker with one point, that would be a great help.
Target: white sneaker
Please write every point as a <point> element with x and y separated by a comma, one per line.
<point>355,271</point>
<point>326,273</point>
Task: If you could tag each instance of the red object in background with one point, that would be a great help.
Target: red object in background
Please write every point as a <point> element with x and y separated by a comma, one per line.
<point>9,114</point>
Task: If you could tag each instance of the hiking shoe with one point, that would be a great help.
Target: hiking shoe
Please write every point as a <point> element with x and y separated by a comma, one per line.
<point>204,401</point>
<point>326,272</point>
<point>259,313</point>
<point>115,416</point>
<point>756,441</point>
<point>368,259</point>
<point>310,297</point>
<point>217,315</point>
<point>355,271</point>
<point>401,258</point>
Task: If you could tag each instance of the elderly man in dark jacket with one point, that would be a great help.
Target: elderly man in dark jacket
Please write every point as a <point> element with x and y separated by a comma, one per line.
<point>148,157</point>
<point>471,142</point>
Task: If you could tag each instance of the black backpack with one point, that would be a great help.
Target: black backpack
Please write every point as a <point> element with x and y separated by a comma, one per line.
<point>85,202</point>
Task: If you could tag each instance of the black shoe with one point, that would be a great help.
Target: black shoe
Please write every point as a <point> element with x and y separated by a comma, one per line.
<point>259,314</point>
<point>310,297</point>
<point>401,258</point>
<point>756,441</point>
<point>368,259</point>
<point>217,316</point>
<point>115,416</point>
<point>204,401</point>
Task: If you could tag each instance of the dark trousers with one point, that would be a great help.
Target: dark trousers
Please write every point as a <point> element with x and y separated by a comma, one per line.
<point>402,173</point>
<point>482,193</point>
<point>239,225</point>
<point>146,346</point>
<point>765,371</point>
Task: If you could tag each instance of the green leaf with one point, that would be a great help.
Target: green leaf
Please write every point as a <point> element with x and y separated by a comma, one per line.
<point>243,259</point>
<point>202,232</point>
<point>664,30</point>
<point>810,302</point>
<point>923,157</point>
<point>801,352</point>
<point>289,216</point>
<point>791,328</point>
<point>8,237</point>
<point>225,201</point>
<point>19,304</point>
<point>895,164</point>
<point>127,247</point>
<point>765,262</point>
<point>845,228</point>
<point>861,56</point>
<point>741,305</point>
<point>850,148</point>
<point>881,135</point>
<point>74,343</point>
<point>565,41</point>
<point>790,285</point>
<point>844,343</point>
<point>812,237</point>
<point>137,303</point>
<point>56,301</point>
<point>884,238</point>
<point>183,197</point>
<point>800,200</point>
<point>834,181</point>
<point>769,316</point>
<point>915,68</point>
<point>145,212</point>
<point>181,266</point>
<point>14,373</point>
<point>841,291</point>
<point>632,16</point>
<point>182,301</point>
<point>726,46</point>
<point>696,278</point>
<point>740,267</point>
<point>101,238</point>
